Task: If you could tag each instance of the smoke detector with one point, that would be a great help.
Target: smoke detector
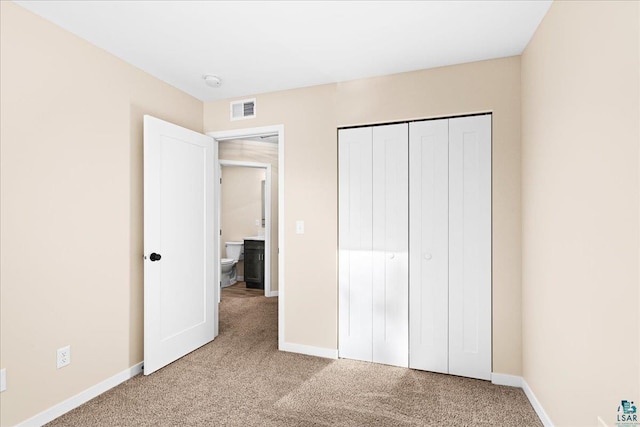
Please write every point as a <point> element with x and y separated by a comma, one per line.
<point>211,80</point>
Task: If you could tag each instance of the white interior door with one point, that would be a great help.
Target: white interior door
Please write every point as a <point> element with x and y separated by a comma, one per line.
<point>429,245</point>
<point>180,283</point>
<point>355,243</point>
<point>470,246</point>
<point>391,245</point>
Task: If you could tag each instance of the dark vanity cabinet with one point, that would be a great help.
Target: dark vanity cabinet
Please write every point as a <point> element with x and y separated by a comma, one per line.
<point>254,264</point>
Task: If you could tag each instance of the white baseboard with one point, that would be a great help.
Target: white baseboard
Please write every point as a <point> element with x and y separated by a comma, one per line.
<point>516,381</point>
<point>80,398</point>
<point>505,379</point>
<point>273,294</point>
<point>546,421</point>
<point>327,353</point>
<point>93,391</point>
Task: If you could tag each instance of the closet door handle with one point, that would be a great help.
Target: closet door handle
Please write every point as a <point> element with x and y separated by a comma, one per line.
<point>392,255</point>
<point>427,256</point>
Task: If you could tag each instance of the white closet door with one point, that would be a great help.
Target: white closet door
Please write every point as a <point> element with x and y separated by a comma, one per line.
<point>355,243</point>
<point>429,245</point>
<point>470,246</point>
<point>390,245</point>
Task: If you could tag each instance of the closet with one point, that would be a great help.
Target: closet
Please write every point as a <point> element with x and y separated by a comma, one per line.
<point>415,245</point>
<point>374,244</point>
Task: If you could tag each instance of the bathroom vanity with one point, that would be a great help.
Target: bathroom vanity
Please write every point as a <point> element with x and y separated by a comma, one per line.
<point>254,262</point>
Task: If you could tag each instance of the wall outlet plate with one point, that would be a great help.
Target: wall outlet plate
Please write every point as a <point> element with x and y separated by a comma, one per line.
<point>3,380</point>
<point>63,357</point>
<point>299,227</point>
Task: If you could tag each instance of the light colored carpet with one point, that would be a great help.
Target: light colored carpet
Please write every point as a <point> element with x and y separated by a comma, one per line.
<point>241,379</point>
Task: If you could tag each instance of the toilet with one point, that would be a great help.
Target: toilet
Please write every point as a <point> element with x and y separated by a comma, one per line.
<point>235,252</point>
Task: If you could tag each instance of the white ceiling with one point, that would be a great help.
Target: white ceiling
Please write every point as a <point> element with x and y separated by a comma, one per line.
<point>265,46</point>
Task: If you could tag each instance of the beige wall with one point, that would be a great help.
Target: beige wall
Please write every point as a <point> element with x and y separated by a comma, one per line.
<point>260,152</point>
<point>580,171</point>
<point>71,209</point>
<point>310,194</point>
<point>311,117</point>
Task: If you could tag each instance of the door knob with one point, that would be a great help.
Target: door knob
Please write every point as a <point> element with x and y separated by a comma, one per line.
<point>427,256</point>
<point>392,256</point>
<point>155,257</point>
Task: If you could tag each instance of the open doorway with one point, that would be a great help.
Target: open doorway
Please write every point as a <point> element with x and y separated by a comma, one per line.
<point>248,216</point>
<point>182,228</point>
<point>239,142</point>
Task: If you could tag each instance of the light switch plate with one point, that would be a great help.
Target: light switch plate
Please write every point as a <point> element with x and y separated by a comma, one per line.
<point>299,227</point>
<point>3,380</point>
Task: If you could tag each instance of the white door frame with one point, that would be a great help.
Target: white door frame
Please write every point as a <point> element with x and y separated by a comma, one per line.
<point>267,214</point>
<point>254,132</point>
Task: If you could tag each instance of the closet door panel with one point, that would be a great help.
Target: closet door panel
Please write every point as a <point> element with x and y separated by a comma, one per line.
<point>429,245</point>
<point>355,243</point>
<point>470,246</point>
<point>390,245</point>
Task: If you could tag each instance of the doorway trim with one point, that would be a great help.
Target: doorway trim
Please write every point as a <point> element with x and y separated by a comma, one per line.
<point>267,214</point>
<point>263,131</point>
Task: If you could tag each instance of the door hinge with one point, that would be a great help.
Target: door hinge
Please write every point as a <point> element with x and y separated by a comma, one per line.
<point>220,180</point>
<point>221,232</point>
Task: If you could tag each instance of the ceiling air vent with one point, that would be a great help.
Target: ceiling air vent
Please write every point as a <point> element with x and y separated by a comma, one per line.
<point>245,109</point>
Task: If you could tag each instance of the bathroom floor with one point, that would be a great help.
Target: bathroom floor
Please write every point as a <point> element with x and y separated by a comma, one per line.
<point>240,290</point>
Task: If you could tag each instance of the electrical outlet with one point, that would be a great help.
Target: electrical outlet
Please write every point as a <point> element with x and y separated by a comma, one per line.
<point>3,380</point>
<point>299,227</point>
<point>64,356</point>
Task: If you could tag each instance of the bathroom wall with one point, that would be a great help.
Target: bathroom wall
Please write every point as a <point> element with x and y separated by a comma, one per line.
<point>241,206</point>
<point>261,152</point>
